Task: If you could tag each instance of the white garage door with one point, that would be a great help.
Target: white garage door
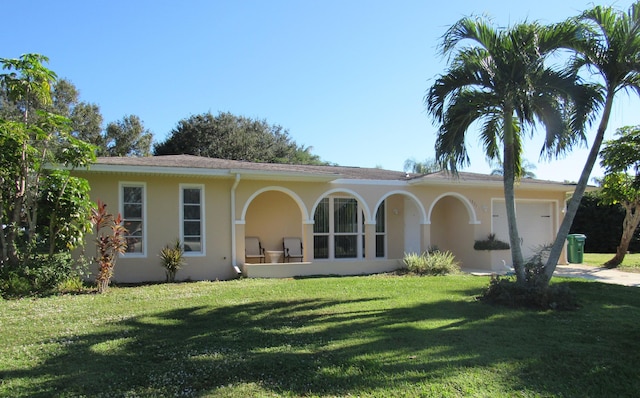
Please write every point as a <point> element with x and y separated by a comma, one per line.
<point>535,224</point>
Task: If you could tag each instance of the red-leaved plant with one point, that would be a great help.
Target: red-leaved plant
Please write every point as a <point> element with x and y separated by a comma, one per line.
<point>108,244</point>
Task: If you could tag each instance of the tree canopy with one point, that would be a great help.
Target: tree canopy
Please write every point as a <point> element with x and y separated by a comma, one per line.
<point>227,136</point>
<point>31,137</point>
<point>127,137</point>
<point>618,187</point>
<point>609,48</point>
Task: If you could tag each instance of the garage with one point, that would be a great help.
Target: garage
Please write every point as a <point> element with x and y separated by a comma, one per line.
<point>536,223</point>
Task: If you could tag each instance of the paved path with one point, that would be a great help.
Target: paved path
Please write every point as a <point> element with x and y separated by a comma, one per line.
<point>599,274</point>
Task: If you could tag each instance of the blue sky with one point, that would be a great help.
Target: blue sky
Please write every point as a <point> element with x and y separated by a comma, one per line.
<point>345,77</point>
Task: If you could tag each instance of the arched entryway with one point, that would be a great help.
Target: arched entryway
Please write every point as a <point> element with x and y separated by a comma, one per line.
<point>452,227</point>
<point>403,223</point>
<point>273,214</point>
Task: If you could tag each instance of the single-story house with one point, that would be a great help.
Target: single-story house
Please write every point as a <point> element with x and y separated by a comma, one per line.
<point>346,220</point>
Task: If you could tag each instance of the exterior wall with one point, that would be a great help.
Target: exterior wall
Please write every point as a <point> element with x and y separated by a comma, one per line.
<point>162,227</point>
<point>450,216</point>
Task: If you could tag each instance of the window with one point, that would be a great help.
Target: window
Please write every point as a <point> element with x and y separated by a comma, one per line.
<point>321,230</point>
<point>192,219</point>
<point>132,208</point>
<point>337,229</point>
<point>345,222</point>
<point>381,235</point>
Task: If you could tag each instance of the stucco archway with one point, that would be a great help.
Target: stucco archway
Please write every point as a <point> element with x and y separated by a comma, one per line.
<point>452,227</point>
<point>270,214</point>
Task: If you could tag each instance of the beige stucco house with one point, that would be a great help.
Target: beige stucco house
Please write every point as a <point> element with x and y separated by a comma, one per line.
<point>349,220</point>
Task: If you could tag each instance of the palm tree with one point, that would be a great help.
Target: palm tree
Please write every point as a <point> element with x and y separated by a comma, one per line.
<point>426,167</point>
<point>502,83</point>
<point>611,50</point>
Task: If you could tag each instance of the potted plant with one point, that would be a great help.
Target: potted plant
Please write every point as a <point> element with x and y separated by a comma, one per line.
<point>491,243</point>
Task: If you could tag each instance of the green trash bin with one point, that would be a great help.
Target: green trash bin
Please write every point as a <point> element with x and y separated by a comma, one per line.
<point>575,248</point>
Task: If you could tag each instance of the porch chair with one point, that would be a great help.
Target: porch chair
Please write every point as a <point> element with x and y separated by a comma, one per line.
<point>253,249</point>
<point>292,248</point>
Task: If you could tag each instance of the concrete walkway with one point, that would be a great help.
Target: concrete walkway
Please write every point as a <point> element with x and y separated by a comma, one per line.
<point>599,274</point>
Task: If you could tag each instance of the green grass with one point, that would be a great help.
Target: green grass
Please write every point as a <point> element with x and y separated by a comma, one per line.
<point>376,336</point>
<point>630,263</point>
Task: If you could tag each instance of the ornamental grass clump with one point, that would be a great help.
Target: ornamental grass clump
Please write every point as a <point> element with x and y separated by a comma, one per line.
<point>435,263</point>
<point>172,259</point>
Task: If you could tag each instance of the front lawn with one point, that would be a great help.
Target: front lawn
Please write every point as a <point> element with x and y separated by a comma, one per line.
<point>631,262</point>
<point>374,336</point>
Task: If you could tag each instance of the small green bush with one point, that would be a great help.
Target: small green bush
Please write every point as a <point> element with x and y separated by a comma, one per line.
<point>73,284</point>
<point>534,292</point>
<point>42,275</point>
<point>14,285</point>
<point>434,263</point>
<point>507,292</point>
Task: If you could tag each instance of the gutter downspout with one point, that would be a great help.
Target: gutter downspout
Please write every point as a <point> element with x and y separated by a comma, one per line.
<point>234,259</point>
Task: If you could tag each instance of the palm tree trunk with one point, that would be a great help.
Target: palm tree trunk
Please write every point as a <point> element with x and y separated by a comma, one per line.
<point>574,202</point>
<point>629,225</point>
<point>510,197</point>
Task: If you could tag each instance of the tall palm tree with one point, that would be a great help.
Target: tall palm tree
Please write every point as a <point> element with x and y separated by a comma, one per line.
<point>611,50</point>
<point>501,83</point>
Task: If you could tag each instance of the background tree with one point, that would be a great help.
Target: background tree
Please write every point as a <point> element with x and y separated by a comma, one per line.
<point>227,136</point>
<point>610,51</point>
<point>127,137</point>
<point>28,142</point>
<point>426,167</point>
<point>602,224</point>
<point>526,169</point>
<point>618,157</point>
<point>86,119</point>
<point>501,81</point>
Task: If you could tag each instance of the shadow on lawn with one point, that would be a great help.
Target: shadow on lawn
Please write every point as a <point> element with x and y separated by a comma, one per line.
<point>334,347</point>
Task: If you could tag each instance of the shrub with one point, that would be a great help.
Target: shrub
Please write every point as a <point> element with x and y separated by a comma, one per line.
<point>534,292</point>
<point>73,284</point>
<point>43,275</point>
<point>491,243</point>
<point>507,292</point>
<point>172,259</point>
<point>14,285</point>
<point>434,263</point>
<point>46,271</point>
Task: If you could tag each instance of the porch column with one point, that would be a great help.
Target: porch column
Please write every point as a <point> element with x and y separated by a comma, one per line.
<point>425,237</point>
<point>239,255</point>
<point>370,241</point>
<point>307,241</point>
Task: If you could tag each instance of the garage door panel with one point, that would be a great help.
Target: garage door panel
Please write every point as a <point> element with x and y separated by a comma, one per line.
<point>535,224</point>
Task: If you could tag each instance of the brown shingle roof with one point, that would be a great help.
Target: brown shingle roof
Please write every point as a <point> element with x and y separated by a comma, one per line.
<point>197,162</point>
<point>187,164</point>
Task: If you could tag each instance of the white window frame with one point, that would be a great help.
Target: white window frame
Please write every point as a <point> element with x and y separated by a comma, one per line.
<point>143,186</point>
<point>200,187</point>
<point>384,233</point>
<point>359,233</point>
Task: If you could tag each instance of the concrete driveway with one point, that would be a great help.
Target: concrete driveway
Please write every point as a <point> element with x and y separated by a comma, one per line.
<point>598,274</point>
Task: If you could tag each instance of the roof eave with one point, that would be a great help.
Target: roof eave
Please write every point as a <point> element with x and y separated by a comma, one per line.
<point>208,172</point>
<point>522,185</point>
